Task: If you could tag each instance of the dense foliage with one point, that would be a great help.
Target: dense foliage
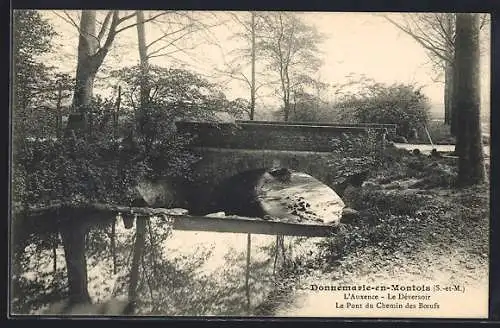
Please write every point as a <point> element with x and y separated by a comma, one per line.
<point>32,36</point>
<point>307,107</point>
<point>179,93</point>
<point>122,147</point>
<point>371,102</point>
<point>37,87</point>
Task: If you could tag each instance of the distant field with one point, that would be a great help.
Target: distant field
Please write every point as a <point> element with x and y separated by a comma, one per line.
<point>437,114</point>
<point>485,126</point>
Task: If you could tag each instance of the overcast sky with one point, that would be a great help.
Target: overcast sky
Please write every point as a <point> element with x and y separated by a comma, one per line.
<point>356,44</point>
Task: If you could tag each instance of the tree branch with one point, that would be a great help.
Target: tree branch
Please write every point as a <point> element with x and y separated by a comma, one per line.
<point>132,25</point>
<point>127,17</point>
<point>152,53</point>
<point>104,26</point>
<point>421,41</point>
<point>68,19</point>
<point>165,34</point>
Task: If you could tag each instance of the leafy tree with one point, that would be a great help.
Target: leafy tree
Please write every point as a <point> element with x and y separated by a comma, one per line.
<point>306,107</point>
<point>32,38</point>
<point>183,94</point>
<point>93,47</point>
<point>251,28</point>
<point>290,48</point>
<point>174,94</point>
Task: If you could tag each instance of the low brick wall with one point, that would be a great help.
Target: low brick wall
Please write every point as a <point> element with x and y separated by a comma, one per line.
<point>390,127</point>
<point>275,136</point>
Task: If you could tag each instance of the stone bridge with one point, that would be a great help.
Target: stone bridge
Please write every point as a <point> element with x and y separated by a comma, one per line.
<point>232,149</point>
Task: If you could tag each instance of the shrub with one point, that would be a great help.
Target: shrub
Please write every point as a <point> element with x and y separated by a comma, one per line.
<point>354,156</point>
<point>100,167</point>
<point>399,104</point>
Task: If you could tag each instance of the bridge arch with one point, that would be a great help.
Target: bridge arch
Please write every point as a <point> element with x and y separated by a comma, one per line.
<point>219,167</point>
<point>228,149</point>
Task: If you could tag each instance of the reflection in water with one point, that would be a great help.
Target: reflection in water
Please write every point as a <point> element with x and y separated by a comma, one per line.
<point>166,272</point>
<point>180,272</point>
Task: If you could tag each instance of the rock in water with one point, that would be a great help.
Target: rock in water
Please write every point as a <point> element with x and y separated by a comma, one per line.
<point>349,215</point>
<point>302,198</point>
<point>283,175</point>
<point>216,215</point>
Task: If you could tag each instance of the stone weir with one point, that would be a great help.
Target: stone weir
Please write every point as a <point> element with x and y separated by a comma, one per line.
<point>272,135</point>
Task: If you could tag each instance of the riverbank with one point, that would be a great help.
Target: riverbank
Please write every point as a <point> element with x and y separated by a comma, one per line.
<point>409,233</point>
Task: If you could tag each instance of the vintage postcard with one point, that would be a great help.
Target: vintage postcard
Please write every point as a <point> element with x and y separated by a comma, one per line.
<point>250,164</point>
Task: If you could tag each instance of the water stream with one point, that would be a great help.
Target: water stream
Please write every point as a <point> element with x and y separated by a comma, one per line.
<point>180,272</point>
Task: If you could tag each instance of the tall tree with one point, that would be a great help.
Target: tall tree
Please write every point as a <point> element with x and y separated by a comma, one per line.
<point>252,84</point>
<point>290,48</point>
<point>174,27</point>
<point>144,98</point>
<point>91,54</point>
<point>435,32</point>
<point>237,68</point>
<point>467,102</point>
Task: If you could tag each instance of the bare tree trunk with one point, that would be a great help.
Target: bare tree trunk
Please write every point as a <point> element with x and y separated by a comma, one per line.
<point>144,65</point>
<point>138,251</point>
<point>85,72</point>
<point>448,93</point>
<point>116,113</point>
<point>286,92</point>
<point>113,244</point>
<point>467,101</point>
<point>73,237</point>
<point>247,272</point>
<point>454,109</point>
<point>287,113</point>
<point>58,111</point>
<point>252,86</point>
<point>143,55</point>
<point>144,99</point>
<point>90,58</point>
<point>449,23</point>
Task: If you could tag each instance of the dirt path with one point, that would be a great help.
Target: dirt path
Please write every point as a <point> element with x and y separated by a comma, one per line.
<point>444,242</point>
<point>430,266</point>
<point>426,149</point>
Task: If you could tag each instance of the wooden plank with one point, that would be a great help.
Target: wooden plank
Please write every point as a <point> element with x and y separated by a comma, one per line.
<point>104,213</point>
<point>249,225</point>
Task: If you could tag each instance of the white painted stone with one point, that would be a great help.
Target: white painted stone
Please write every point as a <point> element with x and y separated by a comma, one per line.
<point>216,215</point>
<point>176,211</point>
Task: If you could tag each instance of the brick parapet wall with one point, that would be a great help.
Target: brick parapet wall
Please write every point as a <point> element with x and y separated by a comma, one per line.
<point>270,135</point>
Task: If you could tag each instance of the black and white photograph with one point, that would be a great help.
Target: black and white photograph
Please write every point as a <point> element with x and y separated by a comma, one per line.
<point>262,164</point>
